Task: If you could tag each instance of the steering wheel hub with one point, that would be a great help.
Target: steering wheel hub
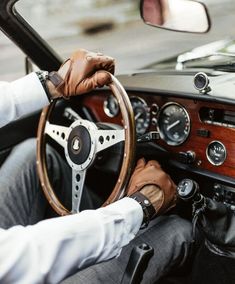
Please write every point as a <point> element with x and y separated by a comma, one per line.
<point>79,145</point>
<point>80,150</point>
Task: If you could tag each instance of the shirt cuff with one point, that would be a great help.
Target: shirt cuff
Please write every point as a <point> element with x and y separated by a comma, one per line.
<point>28,94</point>
<point>131,211</point>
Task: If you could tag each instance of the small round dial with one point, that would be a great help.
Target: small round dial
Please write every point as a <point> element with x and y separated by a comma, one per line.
<point>111,107</point>
<point>142,114</point>
<point>216,153</point>
<point>173,124</point>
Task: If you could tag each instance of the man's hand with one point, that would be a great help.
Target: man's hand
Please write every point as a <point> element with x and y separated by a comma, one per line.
<point>152,182</point>
<point>81,73</point>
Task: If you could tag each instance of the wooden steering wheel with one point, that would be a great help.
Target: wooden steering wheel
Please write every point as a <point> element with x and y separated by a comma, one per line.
<point>81,142</point>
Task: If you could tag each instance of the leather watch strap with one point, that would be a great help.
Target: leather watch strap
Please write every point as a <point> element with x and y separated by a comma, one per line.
<point>147,207</point>
<point>55,78</point>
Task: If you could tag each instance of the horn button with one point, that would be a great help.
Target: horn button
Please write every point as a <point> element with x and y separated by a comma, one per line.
<point>79,145</point>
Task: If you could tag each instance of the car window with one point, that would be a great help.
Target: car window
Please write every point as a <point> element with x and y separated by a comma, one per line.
<point>94,25</point>
<point>12,60</point>
<point>115,28</point>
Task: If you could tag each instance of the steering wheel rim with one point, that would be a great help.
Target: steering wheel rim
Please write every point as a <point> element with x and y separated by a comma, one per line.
<point>128,154</point>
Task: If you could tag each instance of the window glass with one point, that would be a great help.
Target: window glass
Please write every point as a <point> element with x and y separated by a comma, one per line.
<point>11,60</point>
<point>97,25</point>
<point>115,28</point>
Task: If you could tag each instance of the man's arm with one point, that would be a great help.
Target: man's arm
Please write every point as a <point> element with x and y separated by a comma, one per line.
<point>53,249</point>
<point>81,73</point>
<point>21,97</point>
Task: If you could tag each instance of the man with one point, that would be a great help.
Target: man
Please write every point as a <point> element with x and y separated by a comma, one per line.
<point>53,249</point>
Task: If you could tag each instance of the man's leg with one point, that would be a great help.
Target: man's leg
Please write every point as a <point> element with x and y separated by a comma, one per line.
<point>171,238</point>
<point>21,200</point>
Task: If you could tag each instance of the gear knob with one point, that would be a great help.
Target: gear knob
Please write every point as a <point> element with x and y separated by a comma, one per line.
<point>188,189</point>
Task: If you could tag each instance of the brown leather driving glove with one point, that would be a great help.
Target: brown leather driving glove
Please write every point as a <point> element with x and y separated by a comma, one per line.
<point>81,73</point>
<point>152,182</point>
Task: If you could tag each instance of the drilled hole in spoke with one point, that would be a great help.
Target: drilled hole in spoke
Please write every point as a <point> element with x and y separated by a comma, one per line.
<point>107,138</point>
<point>101,139</point>
<point>77,187</point>
<point>78,177</point>
<point>113,136</point>
<point>62,135</point>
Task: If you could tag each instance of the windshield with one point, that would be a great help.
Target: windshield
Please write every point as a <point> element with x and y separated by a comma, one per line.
<point>115,28</point>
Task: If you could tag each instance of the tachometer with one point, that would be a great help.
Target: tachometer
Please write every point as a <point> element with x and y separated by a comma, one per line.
<point>173,124</point>
<point>142,114</point>
<point>111,107</point>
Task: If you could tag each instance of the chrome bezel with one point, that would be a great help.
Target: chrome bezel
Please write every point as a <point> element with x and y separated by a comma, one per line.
<point>206,83</point>
<point>154,112</point>
<point>138,98</point>
<point>208,157</point>
<point>162,136</point>
<point>107,110</point>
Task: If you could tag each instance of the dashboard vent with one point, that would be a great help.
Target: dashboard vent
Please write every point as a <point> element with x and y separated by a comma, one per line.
<point>219,117</point>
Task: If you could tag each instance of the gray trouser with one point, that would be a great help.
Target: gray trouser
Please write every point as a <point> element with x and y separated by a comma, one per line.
<point>171,238</point>
<point>22,202</point>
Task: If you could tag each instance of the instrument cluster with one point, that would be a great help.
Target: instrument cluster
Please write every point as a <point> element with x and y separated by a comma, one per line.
<point>196,132</point>
<point>171,120</point>
<point>184,126</point>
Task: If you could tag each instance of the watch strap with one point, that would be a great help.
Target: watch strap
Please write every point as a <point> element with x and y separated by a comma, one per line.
<point>43,77</point>
<point>147,207</point>
<point>55,78</point>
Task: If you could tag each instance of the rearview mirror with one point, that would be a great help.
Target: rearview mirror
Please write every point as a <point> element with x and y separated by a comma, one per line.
<point>177,15</point>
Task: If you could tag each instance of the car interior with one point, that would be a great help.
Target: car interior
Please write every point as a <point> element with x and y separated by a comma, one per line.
<point>182,117</point>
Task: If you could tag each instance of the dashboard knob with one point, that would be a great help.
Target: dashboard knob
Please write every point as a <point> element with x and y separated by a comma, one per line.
<point>187,157</point>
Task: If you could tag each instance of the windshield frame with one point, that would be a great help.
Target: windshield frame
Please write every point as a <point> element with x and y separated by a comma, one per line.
<point>26,38</point>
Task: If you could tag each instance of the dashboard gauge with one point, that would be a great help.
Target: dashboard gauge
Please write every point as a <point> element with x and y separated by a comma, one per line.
<point>111,107</point>
<point>173,124</point>
<point>141,113</point>
<point>216,153</point>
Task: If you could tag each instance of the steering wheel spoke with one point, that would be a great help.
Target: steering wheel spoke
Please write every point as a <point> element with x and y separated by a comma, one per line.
<point>58,133</point>
<point>108,138</point>
<point>78,179</point>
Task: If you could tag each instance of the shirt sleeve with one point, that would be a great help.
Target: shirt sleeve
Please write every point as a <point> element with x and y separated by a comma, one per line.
<point>21,97</point>
<point>53,249</point>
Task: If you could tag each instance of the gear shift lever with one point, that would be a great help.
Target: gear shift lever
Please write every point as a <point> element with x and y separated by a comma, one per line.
<point>188,189</point>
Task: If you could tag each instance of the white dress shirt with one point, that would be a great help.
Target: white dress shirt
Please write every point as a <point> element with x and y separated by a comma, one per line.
<point>53,249</point>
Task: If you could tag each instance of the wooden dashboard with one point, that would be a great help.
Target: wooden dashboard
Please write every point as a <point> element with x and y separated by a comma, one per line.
<point>201,134</point>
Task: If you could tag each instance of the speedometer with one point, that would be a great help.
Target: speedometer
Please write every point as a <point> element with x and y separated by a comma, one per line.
<point>173,124</point>
<point>142,114</point>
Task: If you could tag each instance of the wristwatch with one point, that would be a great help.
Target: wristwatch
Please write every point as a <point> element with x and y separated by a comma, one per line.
<point>53,76</point>
<point>147,207</point>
